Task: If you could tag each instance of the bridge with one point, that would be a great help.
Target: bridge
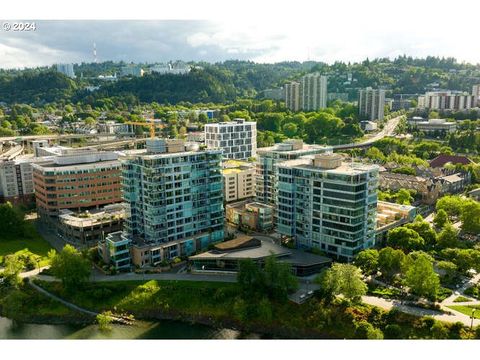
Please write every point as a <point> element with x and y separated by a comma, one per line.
<point>388,130</point>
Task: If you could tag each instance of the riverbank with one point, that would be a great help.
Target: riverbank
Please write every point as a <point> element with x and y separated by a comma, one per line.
<point>220,305</point>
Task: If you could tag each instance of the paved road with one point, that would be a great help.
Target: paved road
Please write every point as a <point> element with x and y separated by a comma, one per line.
<point>388,130</point>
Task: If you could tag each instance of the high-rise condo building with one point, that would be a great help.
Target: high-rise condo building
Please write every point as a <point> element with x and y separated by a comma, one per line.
<point>313,92</point>
<point>476,94</point>
<point>174,201</point>
<point>371,104</point>
<point>327,204</point>
<point>269,157</point>
<point>292,96</point>
<point>237,138</point>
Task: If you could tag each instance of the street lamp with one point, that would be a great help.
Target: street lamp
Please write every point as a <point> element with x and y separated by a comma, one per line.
<point>473,317</point>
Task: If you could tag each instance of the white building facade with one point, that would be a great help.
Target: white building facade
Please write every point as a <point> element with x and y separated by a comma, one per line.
<point>237,138</point>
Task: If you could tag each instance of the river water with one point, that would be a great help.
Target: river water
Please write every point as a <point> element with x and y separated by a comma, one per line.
<point>10,329</point>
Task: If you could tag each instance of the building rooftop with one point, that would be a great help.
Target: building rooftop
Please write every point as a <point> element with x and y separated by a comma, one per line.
<point>266,249</point>
<point>293,147</point>
<point>306,162</point>
<point>51,165</point>
<point>442,160</point>
<point>89,218</point>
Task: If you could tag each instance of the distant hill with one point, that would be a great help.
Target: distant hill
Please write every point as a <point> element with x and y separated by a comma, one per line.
<point>228,80</point>
<point>36,87</point>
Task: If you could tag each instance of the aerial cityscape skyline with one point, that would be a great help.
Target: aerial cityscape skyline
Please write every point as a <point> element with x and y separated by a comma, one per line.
<point>248,170</point>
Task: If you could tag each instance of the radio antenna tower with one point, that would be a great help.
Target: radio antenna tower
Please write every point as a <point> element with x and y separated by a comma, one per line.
<point>94,52</point>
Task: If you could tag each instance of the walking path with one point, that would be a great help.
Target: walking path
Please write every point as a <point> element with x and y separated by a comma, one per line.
<point>64,302</point>
<point>452,316</point>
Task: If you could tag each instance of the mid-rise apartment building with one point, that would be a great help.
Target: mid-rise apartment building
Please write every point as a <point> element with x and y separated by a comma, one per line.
<point>237,138</point>
<point>16,180</point>
<point>371,103</point>
<point>174,201</point>
<point>269,157</point>
<point>447,100</point>
<point>238,180</point>
<point>327,204</point>
<point>76,180</point>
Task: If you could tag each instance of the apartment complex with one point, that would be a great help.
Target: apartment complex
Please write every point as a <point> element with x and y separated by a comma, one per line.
<point>66,69</point>
<point>327,204</point>
<point>313,92</point>
<point>131,70</point>
<point>476,94</point>
<point>238,180</point>
<point>371,103</point>
<point>292,96</point>
<point>237,138</point>
<point>447,100</point>
<point>269,157</point>
<point>174,201</point>
<point>16,180</point>
<point>309,94</point>
<point>76,180</point>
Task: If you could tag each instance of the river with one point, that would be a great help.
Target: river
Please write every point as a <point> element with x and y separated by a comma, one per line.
<point>10,329</point>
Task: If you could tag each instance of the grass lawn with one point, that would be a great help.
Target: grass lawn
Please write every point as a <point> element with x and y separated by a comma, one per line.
<point>467,310</point>
<point>461,299</point>
<point>31,241</point>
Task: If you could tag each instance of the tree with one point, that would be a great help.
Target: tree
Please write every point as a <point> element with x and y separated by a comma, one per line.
<point>422,279</point>
<point>12,223</point>
<point>13,267</point>
<point>290,130</point>
<point>423,229</point>
<point>249,277</point>
<point>449,269</point>
<point>345,279</point>
<point>440,219</point>
<point>374,153</point>
<point>465,259</point>
<point>451,204</point>
<point>390,261</point>
<point>90,121</point>
<point>470,217</point>
<point>439,331</point>
<point>367,261</point>
<point>365,330</point>
<point>279,279</point>
<point>104,320</point>
<point>403,197</point>
<point>71,267</point>
<point>448,237</point>
<point>405,238</point>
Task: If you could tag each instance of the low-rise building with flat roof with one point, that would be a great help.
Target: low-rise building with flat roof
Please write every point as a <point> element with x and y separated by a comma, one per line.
<point>226,256</point>
<point>250,214</point>
<point>86,228</point>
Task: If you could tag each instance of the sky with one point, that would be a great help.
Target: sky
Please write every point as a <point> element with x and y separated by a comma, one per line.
<point>343,30</point>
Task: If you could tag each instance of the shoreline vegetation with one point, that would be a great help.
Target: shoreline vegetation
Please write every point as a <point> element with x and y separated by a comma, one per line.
<point>220,305</point>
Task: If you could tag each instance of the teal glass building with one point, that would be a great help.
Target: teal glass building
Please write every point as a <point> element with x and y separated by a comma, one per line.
<point>175,201</point>
<point>327,204</point>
